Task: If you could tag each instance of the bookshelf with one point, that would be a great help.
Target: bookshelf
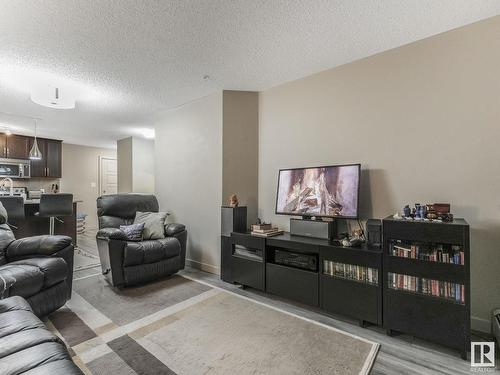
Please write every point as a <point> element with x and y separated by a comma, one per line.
<point>351,282</point>
<point>427,281</point>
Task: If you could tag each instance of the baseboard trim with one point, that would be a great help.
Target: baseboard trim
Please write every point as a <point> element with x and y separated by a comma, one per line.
<point>481,325</point>
<point>203,266</point>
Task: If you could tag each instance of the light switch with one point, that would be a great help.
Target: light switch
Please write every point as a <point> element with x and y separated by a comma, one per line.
<point>93,184</point>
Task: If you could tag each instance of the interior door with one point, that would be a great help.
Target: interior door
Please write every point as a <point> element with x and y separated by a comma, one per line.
<point>38,166</point>
<point>17,147</point>
<point>108,176</point>
<point>54,158</point>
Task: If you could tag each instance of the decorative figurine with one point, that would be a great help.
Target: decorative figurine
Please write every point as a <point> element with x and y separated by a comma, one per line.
<point>406,211</point>
<point>233,201</point>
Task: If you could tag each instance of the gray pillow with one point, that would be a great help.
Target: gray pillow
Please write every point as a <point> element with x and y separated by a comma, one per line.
<point>154,223</point>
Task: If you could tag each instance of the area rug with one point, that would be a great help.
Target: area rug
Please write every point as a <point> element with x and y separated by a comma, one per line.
<point>182,326</point>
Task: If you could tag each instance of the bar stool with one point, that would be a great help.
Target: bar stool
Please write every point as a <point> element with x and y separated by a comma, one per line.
<point>14,207</point>
<point>55,205</point>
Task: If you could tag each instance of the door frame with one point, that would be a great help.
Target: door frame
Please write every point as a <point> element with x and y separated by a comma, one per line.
<point>101,159</point>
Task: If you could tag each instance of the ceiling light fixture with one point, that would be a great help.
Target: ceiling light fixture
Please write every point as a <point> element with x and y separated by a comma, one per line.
<point>53,97</point>
<point>148,133</point>
<point>35,153</point>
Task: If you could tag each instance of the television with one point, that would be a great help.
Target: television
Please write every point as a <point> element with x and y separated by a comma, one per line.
<point>331,191</point>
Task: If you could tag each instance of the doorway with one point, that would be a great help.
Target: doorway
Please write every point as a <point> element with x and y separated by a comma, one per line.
<point>108,176</point>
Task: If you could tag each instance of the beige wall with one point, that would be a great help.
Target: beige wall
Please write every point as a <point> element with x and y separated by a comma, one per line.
<point>136,160</point>
<point>143,165</point>
<point>424,122</point>
<point>241,149</point>
<point>188,149</point>
<point>80,176</point>
<point>124,165</point>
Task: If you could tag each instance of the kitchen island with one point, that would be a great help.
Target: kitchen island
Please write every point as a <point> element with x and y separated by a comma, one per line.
<point>33,225</point>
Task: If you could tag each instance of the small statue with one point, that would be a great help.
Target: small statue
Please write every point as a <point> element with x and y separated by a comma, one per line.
<point>233,201</point>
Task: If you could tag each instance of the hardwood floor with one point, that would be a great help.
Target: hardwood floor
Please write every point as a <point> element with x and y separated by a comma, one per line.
<point>398,355</point>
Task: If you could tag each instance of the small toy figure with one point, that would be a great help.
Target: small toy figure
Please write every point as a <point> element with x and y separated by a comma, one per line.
<point>233,201</point>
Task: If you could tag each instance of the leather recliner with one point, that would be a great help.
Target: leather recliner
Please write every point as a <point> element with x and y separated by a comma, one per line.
<point>126,262</point>
<point>27,346</point>
<point>39,268</point>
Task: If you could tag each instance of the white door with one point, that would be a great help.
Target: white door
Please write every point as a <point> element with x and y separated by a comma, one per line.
<point>108,176</point>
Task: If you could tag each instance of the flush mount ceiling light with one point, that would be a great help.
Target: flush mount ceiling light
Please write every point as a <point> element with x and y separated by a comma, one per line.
<point>49,89</point>
<point>53,97</point>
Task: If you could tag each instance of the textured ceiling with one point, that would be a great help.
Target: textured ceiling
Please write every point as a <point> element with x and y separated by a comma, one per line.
<point>142,57</point>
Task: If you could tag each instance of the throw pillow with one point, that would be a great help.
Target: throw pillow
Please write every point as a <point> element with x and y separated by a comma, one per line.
<point>154,223</point>
<point>133,231</point>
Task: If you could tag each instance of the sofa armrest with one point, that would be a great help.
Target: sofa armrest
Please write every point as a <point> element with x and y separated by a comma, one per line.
<point>111,234</point>
<point>37,246</point>
<point>172,229</point>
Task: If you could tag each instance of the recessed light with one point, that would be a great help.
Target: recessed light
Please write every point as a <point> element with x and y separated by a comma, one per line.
<point>206,77</point>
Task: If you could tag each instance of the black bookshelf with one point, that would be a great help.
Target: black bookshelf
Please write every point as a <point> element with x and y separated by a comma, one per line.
<point>427,280</point>
<point>345,281</point>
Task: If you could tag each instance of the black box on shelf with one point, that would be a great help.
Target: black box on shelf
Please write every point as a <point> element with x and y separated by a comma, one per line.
<point>233,219</point>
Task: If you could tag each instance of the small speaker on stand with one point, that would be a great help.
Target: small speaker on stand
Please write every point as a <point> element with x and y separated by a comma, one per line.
<point>233,219</point>
<point>374,233</point>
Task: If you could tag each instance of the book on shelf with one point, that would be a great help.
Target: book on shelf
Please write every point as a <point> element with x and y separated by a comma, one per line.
<point>433,253</point>
<point>436,288</point>
<point>258,227</point>
<point>350,272</point>
<point>265,230</point>
<point>271,233</point>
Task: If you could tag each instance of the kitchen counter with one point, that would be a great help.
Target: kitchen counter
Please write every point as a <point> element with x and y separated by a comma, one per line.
<point>37,201</point>
<point>33,225</point>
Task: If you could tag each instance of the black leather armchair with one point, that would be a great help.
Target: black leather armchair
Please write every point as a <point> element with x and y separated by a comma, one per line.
<point>126,262</point>
<point>38,268</point>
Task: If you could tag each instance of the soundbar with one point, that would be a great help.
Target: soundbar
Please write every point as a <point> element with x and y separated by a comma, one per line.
<point>312,228</point>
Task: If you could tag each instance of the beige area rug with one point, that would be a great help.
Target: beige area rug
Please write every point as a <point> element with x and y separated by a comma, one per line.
<point>207,331</point>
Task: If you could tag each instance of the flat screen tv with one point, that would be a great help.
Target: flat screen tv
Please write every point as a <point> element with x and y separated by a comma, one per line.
<point>331,191</point>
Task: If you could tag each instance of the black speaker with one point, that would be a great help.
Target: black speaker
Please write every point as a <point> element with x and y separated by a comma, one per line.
<point>312,228</point>
<point>233,219</point>
<point>374,232</point>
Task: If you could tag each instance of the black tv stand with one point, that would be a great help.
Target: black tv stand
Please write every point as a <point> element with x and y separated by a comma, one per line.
<point>346,281</point>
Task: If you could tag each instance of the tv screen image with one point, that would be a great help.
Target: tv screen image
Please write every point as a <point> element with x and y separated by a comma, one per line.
<point>323,191</point>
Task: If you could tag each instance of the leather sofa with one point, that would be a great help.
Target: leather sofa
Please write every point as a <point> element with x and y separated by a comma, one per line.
<point>27,346</point>
<point>39,268</point>
<point>126,262</point>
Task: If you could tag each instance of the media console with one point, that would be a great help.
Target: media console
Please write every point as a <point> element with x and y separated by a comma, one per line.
<point>424,286</point>
<point>315,272</point>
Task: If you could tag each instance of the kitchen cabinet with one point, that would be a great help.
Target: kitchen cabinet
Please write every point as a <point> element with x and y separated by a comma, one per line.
<point>54,158</point>
<point>17,147</point>
<point>38,166</point>
<point>14,146</point>
<point>51,163</point>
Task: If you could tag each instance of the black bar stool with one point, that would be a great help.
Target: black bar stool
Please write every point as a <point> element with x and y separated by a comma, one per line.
<point>55,205</point>
<point>14,207</point>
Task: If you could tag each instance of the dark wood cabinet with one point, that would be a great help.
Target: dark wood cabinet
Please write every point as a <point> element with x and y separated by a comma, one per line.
<point>3,145</point>
<point>54,158</point>
<point>38,166</point>
<point>51,163</point>
<point>17,147</point>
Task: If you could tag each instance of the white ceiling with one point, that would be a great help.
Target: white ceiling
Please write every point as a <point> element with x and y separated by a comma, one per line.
<point>142,57</point>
